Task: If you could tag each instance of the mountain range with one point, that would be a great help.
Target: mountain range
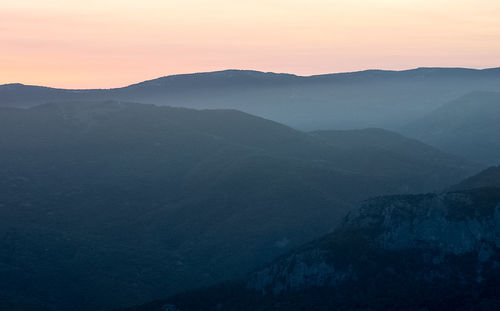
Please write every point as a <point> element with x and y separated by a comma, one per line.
<point>229,190</point>
<point>111,204</point>
<point>372,98</point>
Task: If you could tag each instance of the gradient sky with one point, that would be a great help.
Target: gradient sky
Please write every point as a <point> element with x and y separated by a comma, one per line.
<point>110,43</point>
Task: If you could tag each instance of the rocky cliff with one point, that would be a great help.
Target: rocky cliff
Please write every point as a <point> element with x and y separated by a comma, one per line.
<point>441,237</point>
<point>404,252</point>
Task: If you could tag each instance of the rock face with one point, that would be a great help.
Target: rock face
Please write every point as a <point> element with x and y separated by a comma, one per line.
<point>297,272</point>
<point>452,222</point>
<point>405,252</point>
<point>441,230</point>
<point>438,228</point>
<point>437,251</point>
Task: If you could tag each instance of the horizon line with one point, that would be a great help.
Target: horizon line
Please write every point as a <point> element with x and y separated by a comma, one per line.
<point>248,70</point>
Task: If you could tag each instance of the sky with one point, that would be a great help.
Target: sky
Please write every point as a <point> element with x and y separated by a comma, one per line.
<point>112,43</point>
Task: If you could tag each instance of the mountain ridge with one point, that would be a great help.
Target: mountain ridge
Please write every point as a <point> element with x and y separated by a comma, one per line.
<point>467,126</point>
<point>270,73</point>
<point>375,98</point>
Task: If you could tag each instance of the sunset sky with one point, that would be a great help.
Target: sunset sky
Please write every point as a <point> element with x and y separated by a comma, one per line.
<point>111,43</point>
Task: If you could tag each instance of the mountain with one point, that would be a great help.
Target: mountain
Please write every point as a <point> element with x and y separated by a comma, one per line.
<point>467,127</point>
<point>374,147</point>
<point>372,98</point>
<point>403,252</point>
<point>487,178</point>
<point>108,204</point>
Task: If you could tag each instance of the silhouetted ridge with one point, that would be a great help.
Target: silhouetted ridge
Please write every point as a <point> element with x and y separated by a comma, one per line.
<point>371,98</point>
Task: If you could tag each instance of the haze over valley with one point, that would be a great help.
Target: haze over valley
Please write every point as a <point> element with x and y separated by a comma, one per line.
<point>257,155</point>
<point>143,200</point>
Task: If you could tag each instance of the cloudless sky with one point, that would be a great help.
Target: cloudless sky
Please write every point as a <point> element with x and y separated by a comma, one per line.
<point>111,43</point>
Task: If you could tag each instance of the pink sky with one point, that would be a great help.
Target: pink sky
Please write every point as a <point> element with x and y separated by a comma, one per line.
<point>111,43</point>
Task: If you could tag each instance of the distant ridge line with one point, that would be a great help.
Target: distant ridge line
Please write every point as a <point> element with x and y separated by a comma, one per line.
<point>262,74</point>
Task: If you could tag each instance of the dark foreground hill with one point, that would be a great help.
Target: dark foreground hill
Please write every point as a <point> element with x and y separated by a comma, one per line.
<point>111,204</point>
<point>405,252</point>
<point>468,126</point>
<point>372,98</point>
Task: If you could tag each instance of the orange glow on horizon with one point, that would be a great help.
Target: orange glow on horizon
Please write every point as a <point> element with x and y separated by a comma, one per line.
<point>111,43</point>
